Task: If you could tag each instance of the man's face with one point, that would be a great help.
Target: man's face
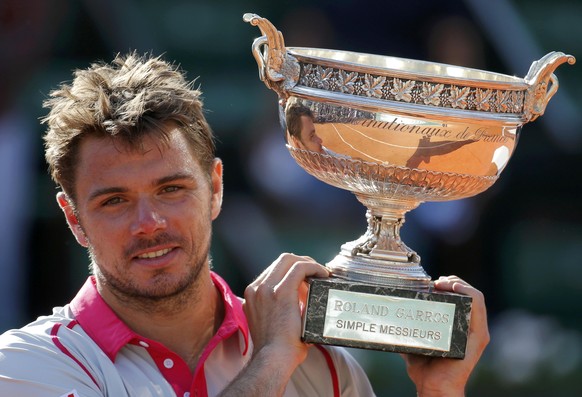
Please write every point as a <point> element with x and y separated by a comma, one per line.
<point>309,139</point>
<point>145,215</point>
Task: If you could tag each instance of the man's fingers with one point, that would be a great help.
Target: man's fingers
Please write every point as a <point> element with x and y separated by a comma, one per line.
<point>274,273</point>
<point>285,278</point>
<point>478,308</point>
<point>299,271</point>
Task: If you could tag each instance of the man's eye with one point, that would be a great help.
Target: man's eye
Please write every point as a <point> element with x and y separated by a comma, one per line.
<point>112,201</point>
<point>171,189</point>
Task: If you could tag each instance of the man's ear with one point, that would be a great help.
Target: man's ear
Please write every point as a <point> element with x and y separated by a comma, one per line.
<point>72,219</point>
<point>295,142</point>
<point>216,185</point>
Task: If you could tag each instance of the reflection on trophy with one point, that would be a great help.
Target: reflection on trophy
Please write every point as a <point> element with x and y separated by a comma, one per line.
<point>396,133</point>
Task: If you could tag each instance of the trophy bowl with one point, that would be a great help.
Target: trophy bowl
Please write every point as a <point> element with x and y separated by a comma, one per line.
<point>397,132</point>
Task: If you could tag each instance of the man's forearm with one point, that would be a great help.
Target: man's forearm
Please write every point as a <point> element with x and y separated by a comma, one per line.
<point>266,374</point>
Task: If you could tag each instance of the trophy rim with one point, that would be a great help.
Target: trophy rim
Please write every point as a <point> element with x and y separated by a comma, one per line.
<point>426,89</point>
<point>407,68</point>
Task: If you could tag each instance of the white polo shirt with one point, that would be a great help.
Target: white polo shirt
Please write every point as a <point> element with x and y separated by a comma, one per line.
<point>84,349</point>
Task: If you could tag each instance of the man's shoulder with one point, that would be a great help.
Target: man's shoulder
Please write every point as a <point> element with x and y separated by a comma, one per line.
<point>40,341</point>
<point>39,330</point>
<point>46,357</point>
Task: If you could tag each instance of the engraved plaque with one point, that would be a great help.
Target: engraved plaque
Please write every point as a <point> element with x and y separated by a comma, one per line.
<point>342,312</point>
<point>389,319</point>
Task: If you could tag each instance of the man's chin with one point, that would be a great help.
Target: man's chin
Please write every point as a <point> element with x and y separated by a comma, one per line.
<point>163,287</point>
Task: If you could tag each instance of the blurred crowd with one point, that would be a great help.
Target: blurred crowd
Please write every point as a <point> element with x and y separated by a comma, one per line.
<point>519,242</point>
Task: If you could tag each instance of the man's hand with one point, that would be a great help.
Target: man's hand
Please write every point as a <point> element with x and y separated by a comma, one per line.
<point>273,306</point>
<point>445,376</point>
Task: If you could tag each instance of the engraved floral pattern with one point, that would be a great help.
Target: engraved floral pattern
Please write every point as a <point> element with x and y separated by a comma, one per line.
<point>402,90</point>
<point>482,98</point>
<point>458,97</point>
<point>502,101</point>
<point>411,91</point>
<point>308,75</point>
<point>431,93</point>
<point>517,98</point>
<point>347,81</point>
<point>325,75</point>
<point>373,85</point>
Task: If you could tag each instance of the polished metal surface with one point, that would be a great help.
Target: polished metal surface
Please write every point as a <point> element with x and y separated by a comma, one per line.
<point>398,132</point>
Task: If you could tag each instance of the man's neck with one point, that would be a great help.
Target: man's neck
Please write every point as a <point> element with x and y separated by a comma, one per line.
<point>198,314</point>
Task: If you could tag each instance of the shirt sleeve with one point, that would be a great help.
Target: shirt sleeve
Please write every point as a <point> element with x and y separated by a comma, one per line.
<point>353,381</point>
<point>32,365</point>
<point>316,376</point>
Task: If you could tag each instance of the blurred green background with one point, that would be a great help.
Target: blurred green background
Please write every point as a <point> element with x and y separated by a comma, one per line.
<point>520,242</point>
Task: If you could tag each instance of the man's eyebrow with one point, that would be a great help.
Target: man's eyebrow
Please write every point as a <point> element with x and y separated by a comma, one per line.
<point>161,181</point>
<point>105,191</point>
<point>174,177</point>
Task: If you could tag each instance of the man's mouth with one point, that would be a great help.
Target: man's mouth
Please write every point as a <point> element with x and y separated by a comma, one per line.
<point>154,254</point>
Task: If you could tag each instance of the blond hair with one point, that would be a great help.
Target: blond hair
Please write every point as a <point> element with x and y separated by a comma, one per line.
<point>134,96</point>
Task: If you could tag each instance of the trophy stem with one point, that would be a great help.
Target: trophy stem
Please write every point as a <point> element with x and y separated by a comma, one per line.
<point>380,256</point>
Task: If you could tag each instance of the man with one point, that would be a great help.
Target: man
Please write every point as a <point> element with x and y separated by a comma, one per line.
<point>301,129</point>
<point>301,132</point>
<point>130,148</point>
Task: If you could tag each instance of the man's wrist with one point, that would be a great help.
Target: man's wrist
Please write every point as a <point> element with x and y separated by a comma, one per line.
<point>447,393</point>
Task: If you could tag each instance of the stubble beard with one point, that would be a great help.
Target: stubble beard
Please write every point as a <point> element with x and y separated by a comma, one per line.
<point>166,295</point>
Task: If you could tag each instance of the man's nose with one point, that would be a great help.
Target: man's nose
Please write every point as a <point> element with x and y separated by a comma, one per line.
<point>148,218</point>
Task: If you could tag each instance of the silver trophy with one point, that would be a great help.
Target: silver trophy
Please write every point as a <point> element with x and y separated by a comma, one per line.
<point>395,132</point>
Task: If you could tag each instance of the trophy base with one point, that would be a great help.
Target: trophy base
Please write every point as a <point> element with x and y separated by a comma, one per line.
<point>355,314</point>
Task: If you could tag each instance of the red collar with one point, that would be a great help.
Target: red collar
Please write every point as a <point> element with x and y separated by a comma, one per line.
<point>111,334</point>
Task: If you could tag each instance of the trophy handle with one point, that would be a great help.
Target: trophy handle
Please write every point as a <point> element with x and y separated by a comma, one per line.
<point>543,83</point>
<point>277,69</point>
